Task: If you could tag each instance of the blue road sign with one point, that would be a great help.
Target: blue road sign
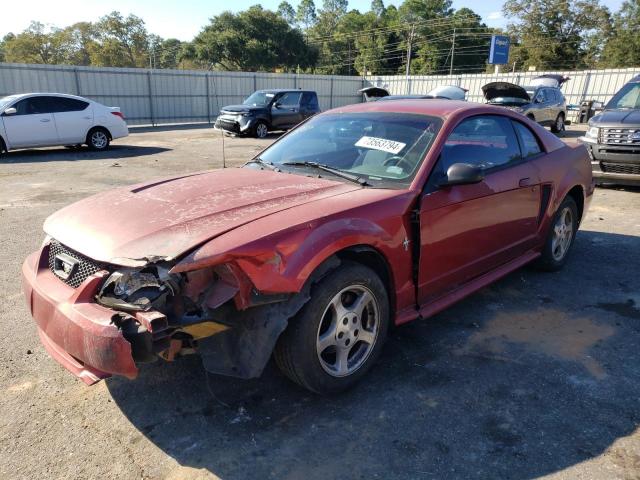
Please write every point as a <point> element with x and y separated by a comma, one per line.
<point>499,53</point>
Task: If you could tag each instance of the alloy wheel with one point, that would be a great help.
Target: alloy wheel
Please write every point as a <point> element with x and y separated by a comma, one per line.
<point>562,234</point>
<point>99,139</point>
<point>261,130</point>
<point>348,331</point>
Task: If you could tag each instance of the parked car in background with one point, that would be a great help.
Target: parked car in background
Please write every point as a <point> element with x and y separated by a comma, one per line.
<point>613,138</point>
<point>363,217</point>
<point>48,119</point>
<point>267,110</point>
<point>542,101</point>
<point>448,92</point>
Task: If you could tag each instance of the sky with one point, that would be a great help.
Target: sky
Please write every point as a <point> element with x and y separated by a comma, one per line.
<point>183,19</point>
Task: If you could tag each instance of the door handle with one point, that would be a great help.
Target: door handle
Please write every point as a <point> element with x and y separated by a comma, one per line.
<point>87,118</point>
<point>524,182</point>
<point>45,120</point>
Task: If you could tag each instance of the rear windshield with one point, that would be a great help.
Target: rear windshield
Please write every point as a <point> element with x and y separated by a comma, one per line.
<point>627,97</point>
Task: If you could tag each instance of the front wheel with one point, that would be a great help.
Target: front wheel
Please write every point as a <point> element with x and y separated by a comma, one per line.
<point>260,130</point>
<point>560,237</point>
<point>338,335</point>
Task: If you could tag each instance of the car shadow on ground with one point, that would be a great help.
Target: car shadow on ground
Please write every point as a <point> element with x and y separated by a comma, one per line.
<point>74,154</point>
<point>532,375</point>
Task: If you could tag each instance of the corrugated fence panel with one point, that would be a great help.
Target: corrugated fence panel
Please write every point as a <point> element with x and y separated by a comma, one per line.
<point>181,96</point>
<point>583,85</point>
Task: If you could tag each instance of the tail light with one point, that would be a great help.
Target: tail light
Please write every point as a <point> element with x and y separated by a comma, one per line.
<point>118,114</point>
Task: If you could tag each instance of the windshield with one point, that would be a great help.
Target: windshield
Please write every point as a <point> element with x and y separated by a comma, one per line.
<point>627,97</point>
<point>7,100</point>
<point>377,147</point>
<point>259,99</point>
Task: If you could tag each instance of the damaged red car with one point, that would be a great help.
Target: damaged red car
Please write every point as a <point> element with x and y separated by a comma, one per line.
<point>361,218</point>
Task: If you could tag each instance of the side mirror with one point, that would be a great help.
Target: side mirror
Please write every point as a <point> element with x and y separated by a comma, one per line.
<point>276,105</point>
<point>10,111</point>
<point>462,174</point>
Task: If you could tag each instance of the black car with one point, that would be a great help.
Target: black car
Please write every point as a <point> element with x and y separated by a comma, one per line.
<point>266,110</point>
<point>542,101</point>
<point>613,138</point>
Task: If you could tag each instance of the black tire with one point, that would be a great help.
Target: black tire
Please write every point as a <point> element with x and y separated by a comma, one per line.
<point>550,261</point>
<point>558,125</point>
<point>3,147</point>
<point>98,139</point>
<point>260,129</point>
<point>297,351</point>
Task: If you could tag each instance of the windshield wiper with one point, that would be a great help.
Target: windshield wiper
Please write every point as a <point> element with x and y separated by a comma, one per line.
<point>260,161</point>
<point>326,168</point>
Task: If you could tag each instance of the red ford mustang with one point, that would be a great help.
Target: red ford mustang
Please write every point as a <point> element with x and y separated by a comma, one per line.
<point>361,217</point>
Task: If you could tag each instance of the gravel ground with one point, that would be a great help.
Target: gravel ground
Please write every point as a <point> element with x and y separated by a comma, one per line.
<point>535,376</point>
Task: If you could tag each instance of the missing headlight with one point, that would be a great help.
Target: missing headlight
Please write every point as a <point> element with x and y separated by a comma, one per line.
<point>138,289</point>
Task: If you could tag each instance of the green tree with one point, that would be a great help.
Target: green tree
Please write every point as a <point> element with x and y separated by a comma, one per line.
<point>123,42</point>
<point>554,34</point>
<point>287,12</point>
<point>34,45</point>
<point>622,48</point>
<point>306,14</point>
<point>252,40</point>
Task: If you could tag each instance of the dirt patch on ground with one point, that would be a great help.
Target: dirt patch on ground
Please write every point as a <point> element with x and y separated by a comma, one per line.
<point>546,331</point>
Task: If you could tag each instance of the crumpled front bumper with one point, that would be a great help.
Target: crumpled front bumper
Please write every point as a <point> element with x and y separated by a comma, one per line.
<point>77,332</point>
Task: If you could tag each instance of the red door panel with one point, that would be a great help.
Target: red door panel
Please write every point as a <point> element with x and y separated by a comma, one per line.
<point>468,230</point>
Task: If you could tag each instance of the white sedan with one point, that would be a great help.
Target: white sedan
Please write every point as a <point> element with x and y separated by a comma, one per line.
<point>48,119</point>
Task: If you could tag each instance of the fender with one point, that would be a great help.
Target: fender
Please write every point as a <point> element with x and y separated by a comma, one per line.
<point>281,263</point>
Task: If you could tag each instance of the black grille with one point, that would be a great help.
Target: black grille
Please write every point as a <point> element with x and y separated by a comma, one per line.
<point>83,270</point>
<point>629,168</point>
<point>619,136</point>
<point>228,125</point>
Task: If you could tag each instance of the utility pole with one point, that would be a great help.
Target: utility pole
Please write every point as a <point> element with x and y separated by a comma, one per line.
<point>453,50</point>
<point>409,44</point>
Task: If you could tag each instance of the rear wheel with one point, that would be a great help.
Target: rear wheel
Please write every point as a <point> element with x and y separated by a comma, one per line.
<point>558,125</point>
<point>98,139</point>
<point>560,237</point>
<point>339,333</point>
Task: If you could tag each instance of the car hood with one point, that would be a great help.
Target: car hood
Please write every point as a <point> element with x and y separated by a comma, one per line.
<point>504,89</point>
<point>616,118</point>
<point>166,218</point>
<point>241,109</point>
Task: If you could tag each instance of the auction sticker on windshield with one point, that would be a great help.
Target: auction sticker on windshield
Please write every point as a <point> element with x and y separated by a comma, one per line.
<point>382,144</point>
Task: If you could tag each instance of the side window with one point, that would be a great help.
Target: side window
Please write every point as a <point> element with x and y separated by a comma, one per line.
<point>485,140</point>
<point>541,97</point>
<point>34,106</point>
<point>528,141</point>
<point>290,99</point>
<point>310,101</point>
<point>69,104</point>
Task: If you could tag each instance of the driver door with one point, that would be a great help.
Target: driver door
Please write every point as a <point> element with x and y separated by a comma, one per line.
<point>285,111</point>
<point>469,230</point>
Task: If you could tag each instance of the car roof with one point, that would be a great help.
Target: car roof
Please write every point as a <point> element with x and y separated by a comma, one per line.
<point>280,90</point>
<point>20,96</point>
<point>436,107</point>
<point>635,79</point>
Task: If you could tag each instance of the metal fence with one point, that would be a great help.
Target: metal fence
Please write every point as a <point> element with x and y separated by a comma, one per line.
<point>583,85</point>
<point>184,96</point>
<point>169,96</point>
